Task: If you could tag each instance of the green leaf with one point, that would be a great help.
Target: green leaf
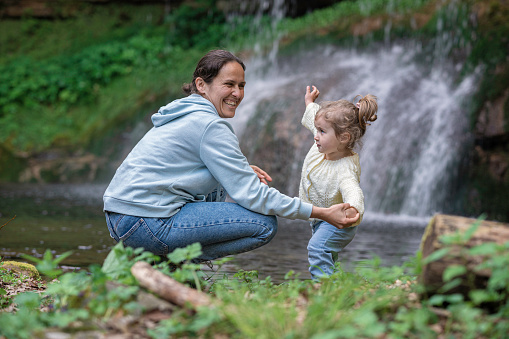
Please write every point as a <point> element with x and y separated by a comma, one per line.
<point>453,271</point>
<point>114,258</point>
<point>450,285</point>
<point>437,255</point>
<point>484,249</point>
<point>185,254</point>
<point>29,300</point>
<point>472,229</point>
<point>365,318</point>
<point>436,299</point>
<point>454,298</point>
<point>480,296</point>
<point>48,265</point>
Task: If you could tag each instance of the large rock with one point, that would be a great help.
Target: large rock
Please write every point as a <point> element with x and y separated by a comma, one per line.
<point>447,225</point>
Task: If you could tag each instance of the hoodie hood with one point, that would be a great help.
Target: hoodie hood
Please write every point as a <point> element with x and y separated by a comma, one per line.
<point>181,107</point>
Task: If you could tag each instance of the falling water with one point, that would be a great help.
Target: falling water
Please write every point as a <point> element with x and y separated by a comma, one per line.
<point>260,30</point>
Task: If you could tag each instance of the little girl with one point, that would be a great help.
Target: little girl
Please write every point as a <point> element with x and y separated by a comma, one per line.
<point>331,172</point>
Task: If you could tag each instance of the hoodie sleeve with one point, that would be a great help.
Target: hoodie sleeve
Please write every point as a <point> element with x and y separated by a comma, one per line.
<point>220,152</point>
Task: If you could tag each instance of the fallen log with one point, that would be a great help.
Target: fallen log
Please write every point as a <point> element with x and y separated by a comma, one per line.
<point>168,288</point>
<point>441,225</point>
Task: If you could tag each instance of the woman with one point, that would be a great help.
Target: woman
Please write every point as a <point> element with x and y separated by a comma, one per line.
<point>169,192</point>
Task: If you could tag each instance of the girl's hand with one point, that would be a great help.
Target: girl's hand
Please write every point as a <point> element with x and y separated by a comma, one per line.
<point>311,95</point>
<point>262,175</point>
<point>351,212</point>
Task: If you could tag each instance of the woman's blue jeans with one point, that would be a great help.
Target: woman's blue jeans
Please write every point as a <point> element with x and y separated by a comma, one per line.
<point>222,228</point>
<point>325,244</point>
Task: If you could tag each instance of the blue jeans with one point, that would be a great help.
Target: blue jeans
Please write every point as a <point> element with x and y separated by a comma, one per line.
<point>325,244</point>
<point>222,228</point>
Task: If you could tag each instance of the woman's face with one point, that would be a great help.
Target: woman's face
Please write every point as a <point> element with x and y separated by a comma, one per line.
<point>226,91</point>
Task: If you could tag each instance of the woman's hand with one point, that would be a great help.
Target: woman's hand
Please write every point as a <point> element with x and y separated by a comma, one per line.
<point>336,215</point>
<point>311,95</point>
<point>262,175</point>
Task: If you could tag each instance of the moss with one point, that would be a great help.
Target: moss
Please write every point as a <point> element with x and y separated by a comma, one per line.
<point>427,232</point>
<point>21,268</point>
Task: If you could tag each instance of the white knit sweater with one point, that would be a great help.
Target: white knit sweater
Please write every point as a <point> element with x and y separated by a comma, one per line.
<point>324,182</point>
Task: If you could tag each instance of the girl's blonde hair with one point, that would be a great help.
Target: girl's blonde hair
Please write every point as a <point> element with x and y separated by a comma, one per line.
<point>345,116</point>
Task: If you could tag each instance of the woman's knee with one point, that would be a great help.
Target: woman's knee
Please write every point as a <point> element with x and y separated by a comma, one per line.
<point>268,227</point>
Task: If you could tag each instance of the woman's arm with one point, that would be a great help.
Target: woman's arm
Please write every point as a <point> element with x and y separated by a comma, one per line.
<point>223,158</point>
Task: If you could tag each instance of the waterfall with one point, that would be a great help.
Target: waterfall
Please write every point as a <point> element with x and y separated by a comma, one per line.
<point>275,10</point>
<point>409,154</point>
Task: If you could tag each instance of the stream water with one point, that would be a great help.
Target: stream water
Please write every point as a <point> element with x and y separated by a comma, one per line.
<point>69,218</point>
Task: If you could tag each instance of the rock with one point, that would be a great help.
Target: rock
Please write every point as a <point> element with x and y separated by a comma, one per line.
<point>441,225</point>
<point>21,268</point>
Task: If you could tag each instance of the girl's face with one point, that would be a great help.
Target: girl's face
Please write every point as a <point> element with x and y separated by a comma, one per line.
<point>226,91</point>
<point>327,142</point>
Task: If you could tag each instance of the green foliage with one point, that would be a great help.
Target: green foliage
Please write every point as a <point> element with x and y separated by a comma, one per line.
<point>69,79</point>
<point>370,302</point>
<point>344,13</point>
<point>6,278</point>
<point>25,321</point>
<point>184,269</point>
<point>199,24</point>
<point>468,310</point>
<point>48,265</point>
<point>182,324</point>
<point>83,296</point>
<point>62,82</point>
<point>118,263</point>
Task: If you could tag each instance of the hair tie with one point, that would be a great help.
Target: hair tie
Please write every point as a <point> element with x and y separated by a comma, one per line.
<point>358,105</point>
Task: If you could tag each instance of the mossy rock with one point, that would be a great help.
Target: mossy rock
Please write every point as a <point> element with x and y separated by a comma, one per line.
<point>21,268</point>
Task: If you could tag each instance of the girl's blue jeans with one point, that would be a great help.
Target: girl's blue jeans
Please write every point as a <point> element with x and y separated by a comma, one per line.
<point>325,244</point>
<point>222,228</point>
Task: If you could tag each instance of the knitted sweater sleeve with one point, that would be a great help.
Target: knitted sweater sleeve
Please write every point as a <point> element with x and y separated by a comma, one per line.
<point>352,192</point>
<point>308,120</point>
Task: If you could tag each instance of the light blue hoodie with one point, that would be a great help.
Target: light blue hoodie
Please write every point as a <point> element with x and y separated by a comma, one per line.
<point>188,153</point>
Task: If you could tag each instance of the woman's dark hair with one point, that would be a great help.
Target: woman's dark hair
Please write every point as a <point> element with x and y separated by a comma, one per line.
<point>208,67</point>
